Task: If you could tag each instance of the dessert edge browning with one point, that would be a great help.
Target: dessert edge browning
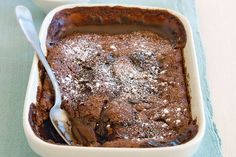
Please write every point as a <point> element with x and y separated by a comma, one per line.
<point>120,89</point>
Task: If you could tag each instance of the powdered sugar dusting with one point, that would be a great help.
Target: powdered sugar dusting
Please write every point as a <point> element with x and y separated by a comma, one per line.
<point>128,67</point>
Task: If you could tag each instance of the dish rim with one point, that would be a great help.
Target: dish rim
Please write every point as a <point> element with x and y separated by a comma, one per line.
<point>42,35</point>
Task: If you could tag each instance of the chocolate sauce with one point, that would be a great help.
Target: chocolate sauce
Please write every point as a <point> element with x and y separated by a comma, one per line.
<point>48,132</point>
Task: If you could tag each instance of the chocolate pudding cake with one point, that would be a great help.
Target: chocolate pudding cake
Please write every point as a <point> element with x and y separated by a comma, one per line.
<point>120,90</point>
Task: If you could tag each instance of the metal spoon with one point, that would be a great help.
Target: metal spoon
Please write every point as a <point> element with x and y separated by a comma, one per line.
<point>58,116</point>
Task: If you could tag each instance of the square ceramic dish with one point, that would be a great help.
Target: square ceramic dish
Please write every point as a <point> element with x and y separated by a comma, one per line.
<point>184,150</point>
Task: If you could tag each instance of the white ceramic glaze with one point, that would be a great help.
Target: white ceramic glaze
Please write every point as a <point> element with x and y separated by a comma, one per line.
<point>48,5</point>
<point>184,150</point>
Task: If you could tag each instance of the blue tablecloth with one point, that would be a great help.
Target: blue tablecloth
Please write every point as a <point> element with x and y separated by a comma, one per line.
<point>15,62</point>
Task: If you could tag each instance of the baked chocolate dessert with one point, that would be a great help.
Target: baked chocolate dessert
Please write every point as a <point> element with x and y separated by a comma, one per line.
<point>120,90</point>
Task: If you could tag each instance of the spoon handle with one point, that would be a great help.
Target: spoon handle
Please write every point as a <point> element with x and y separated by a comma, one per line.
<point>25,20</point>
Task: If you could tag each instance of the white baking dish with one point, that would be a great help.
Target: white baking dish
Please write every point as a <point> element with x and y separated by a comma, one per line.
<point>184,150</point>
